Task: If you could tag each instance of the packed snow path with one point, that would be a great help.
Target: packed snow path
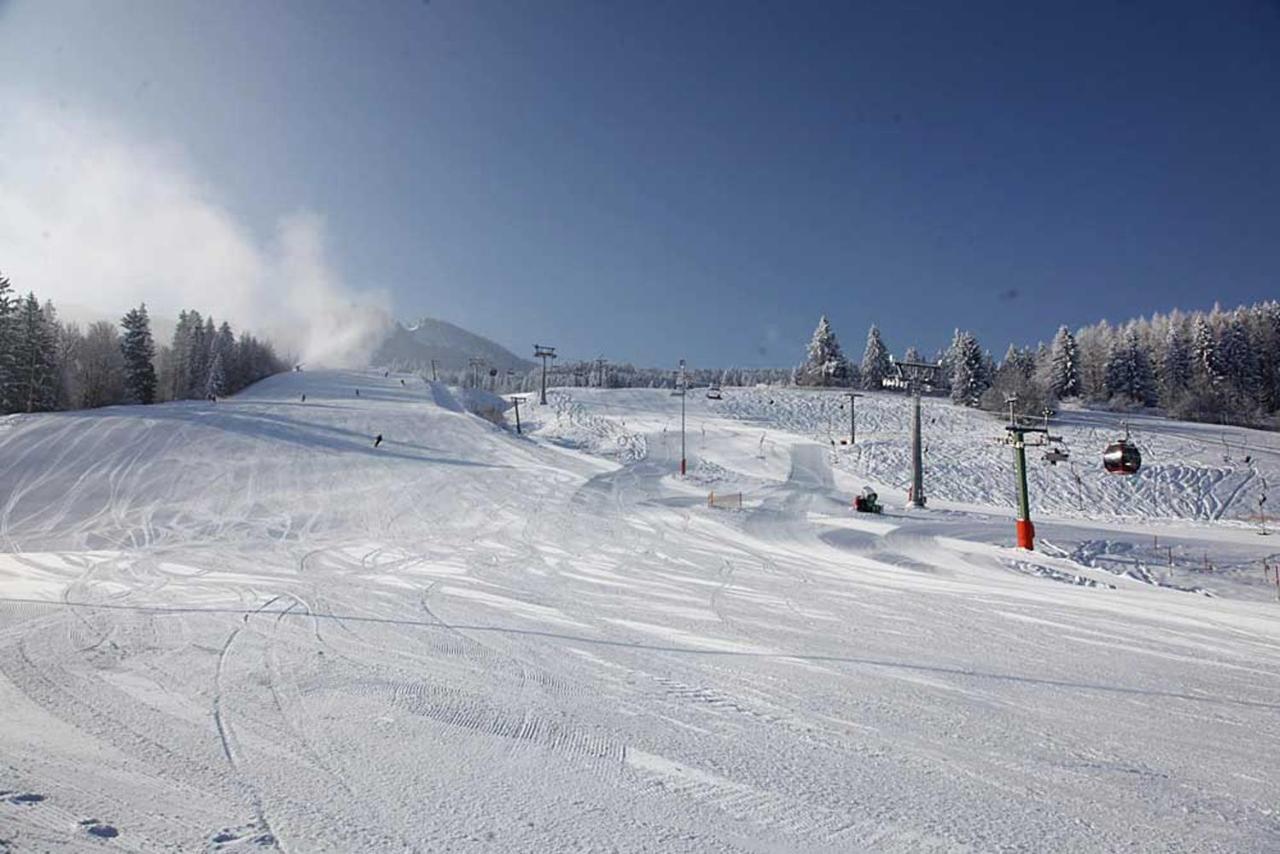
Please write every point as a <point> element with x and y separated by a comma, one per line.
<point>240,626</point>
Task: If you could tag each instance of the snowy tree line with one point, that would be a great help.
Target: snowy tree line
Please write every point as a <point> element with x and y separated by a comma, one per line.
<point>206,359</point>
<point>826,366</point>
<point>1216,366</point>
<point>627,375</point>
<point>593,374</point>
<point>1207,366</point>
<point>1203,366</point>
<point>47,365</point>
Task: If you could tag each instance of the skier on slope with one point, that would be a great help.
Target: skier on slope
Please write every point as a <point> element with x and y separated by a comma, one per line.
<point>377,440</point>
<point>304,398</point>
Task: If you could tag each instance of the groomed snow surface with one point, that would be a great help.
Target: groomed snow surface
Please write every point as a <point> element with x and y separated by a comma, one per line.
<point>239,626</point>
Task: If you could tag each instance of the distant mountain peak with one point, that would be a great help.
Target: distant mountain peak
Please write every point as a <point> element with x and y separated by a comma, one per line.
<point>416,345</point>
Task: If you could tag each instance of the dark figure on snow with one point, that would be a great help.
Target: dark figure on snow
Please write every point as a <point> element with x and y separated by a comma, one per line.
<point>213,398</point>
<point>377,440</point>
<point>304,398</point>
<point>357,392</point>
<point>386,374</point>
<point>401,382</point>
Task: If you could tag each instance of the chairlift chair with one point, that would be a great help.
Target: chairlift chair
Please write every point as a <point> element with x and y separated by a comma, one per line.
<point>1053,456</point>
<point>1055,453</point>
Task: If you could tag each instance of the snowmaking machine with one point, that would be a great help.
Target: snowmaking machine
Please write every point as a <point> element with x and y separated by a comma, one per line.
<point>867,502</point>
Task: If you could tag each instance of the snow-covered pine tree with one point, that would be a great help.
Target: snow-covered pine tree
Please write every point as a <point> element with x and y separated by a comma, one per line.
<point>1093,344</point>
<point>912,355</point>
<point>953,350</point>
<point>825,364</point>
<point>1239,363</point>
<point>1266,344</point>
<point>210,338</point>
<point>197,345</point>
<point>970,375</point>
<point>946,360</point>
<point>1175,363</point>
<point>224,345</point>
<point>61,354</point>
<point>875,360</point>
<point>216,386</point>
<point>1016,376</point>
<point>1205,365</point>
<point>1044,365</point>
<point>257,360</point>
<point>244,362</point>
<point>8,374</point>
<point>1119,370</point>
<point>35,349</point>
<point>179,378</point>
<point>1064,371</point>
<point>1128,372</point>
<point>139,352</point>
<point>1021,360</point>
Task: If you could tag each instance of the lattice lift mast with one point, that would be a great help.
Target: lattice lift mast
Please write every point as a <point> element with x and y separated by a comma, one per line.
<point>916,375</point>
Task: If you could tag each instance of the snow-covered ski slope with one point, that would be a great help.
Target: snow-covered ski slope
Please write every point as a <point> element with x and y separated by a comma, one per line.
<point>238,626</point>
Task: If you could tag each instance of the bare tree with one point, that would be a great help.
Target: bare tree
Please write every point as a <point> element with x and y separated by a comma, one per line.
<point>100,380</point>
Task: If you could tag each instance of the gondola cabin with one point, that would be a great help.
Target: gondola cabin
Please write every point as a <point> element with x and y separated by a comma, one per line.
<point>1122,457</point>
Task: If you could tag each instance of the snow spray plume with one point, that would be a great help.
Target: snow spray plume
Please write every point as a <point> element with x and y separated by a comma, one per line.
<point>98,222</point>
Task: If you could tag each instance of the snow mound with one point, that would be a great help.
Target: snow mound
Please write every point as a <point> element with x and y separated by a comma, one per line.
<point>443,397</point>
<point>571,425</point>
<point>486,404</point>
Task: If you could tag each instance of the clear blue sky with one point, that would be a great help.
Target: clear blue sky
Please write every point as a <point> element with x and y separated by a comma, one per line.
<point>646,180</point>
